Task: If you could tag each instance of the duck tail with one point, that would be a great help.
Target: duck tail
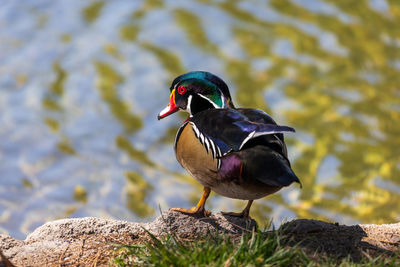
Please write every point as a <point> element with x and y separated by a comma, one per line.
<point>288,178</point>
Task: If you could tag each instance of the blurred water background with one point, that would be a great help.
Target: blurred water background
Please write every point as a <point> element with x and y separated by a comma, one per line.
<point>81,83</point>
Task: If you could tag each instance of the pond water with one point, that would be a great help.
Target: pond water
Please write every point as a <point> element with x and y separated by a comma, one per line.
<point>82,82</point>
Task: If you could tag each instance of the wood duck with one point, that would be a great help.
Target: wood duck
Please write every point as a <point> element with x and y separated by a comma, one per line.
<point>236,152</point>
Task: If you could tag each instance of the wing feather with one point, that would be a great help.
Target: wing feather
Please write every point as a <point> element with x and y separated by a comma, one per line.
<point>229,130</point>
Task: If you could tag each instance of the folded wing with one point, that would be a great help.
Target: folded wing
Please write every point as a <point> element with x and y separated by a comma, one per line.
<point>230,130</point>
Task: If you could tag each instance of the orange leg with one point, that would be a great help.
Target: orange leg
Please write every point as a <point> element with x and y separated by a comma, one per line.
<point>200,208</point>
<point>245,213</point>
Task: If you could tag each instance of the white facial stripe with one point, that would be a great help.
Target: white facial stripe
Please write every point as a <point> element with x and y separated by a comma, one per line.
<point>189,104</point>
<point>209,100</point>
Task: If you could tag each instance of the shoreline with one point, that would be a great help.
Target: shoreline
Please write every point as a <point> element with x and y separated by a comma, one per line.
<point>92,241</point>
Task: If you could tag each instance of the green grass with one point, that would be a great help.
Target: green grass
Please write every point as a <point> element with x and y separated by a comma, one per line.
<point>255,249</point>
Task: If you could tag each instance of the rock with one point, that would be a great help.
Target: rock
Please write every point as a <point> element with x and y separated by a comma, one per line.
<point>69,229</point>
<point>7,242</point>
<point>91,240</point>
<point>192,227</point>
<point>342,241</point>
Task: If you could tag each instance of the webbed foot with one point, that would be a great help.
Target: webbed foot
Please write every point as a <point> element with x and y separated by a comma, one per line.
<point>244,214</point>
<point>200,208</point>
<point>194,211</point>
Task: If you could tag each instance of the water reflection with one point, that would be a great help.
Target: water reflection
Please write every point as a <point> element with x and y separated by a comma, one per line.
<point>90,86</point>
<point>92,11</point>
<point>80,194</point>
<point>108,80</point>
<point>136,191</point>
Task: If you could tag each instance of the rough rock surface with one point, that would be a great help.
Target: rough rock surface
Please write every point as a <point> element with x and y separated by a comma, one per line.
<point>90,241</point>
<point>340,241</point>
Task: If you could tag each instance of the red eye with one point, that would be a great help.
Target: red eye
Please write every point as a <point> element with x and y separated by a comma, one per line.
<point>181,89</point>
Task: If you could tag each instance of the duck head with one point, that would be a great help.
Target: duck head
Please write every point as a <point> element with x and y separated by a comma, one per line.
<point>197,91</point>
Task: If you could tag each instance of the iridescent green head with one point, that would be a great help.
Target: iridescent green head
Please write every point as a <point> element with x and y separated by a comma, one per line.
<point>197,91</point>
